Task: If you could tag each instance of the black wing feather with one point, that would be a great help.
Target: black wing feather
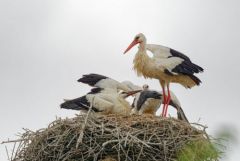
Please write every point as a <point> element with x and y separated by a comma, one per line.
<point>176,53</point>
<point>95,90</point>
<point>80,103</point>
<point>186,67</point>
<point>91,79</point>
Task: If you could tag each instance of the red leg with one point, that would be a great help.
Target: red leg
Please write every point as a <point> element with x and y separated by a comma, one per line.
<point>164,101</point>
<point>168,101</point>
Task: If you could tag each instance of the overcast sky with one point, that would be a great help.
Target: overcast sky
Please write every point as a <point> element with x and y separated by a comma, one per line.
<point>45,46</point>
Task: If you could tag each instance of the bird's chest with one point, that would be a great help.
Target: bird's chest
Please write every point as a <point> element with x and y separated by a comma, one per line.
<point>151,106</point>
<point>143,66</point>
<point>122,107</point>
<point>153,68</point>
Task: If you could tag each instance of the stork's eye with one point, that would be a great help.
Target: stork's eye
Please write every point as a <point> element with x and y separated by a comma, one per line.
<point>123,92</point>
<point>137,37</point>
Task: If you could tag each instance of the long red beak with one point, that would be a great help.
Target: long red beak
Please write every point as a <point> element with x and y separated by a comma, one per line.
<point>133,92</point>
<point>130,46</point>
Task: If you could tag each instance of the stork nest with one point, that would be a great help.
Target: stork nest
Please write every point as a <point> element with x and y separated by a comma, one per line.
<point>115,138</point>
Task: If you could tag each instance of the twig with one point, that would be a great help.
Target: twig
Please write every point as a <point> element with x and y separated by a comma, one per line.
<point>13,141</point>
<point>80,138</point>
<point>110,141</point>
<point>7,153</point>
<point>204,127</point>
<point>14,146</point>
<point>140,141</point>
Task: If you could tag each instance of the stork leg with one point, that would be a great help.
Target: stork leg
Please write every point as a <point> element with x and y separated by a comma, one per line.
<point>164,101</point>
<point>164,97</point>
<point>168,101</point>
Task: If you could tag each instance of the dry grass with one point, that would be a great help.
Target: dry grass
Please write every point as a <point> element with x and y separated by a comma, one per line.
<point>108,138</point>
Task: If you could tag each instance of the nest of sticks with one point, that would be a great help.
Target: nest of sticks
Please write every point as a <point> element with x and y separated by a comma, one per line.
<point>109,138</point>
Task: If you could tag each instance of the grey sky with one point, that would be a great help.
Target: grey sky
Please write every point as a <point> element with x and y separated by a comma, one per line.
<point>45,46</point>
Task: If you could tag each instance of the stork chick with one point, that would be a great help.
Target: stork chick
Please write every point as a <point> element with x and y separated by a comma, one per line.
<point>149,101</point>
<point>102,101</point>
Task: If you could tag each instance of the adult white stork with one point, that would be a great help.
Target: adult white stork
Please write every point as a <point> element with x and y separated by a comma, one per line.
<point>103,101</point>
<point>166,65</point>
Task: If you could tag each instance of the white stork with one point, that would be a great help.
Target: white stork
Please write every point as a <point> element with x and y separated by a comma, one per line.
<point>166,65</point>
<point>149,101</point>
<point>103,101</point>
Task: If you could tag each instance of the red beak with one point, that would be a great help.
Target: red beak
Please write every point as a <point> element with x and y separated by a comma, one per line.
<point>133,92</point>
<point>131,45</point>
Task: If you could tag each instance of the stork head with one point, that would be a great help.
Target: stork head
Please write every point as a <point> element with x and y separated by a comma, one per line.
<point>138,39</point>
<point>154,95</point>
<point>125,94</point>
<point>145,87</point>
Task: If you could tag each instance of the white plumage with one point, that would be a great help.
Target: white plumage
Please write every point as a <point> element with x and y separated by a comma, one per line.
<point>109,102</point>
<point>102,101</point>
<point>167,63</point>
